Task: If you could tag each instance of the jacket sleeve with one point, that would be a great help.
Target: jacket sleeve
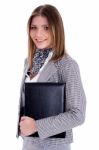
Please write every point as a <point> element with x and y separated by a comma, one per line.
<point>21,99</point>
<point>75,104</point>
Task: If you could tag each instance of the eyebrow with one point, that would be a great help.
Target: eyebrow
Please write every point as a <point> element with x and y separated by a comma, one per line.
<point>41,25</point>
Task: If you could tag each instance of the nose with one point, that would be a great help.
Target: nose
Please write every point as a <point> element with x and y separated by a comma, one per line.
<point>39,33</point>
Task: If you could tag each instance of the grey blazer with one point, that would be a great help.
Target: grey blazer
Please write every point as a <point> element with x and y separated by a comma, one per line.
<point>64,70</point>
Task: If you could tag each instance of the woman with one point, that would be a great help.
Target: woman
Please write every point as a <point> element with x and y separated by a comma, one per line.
<point>48,61</point>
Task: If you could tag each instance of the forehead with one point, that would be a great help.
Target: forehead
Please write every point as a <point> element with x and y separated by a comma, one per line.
<point>39,20</point>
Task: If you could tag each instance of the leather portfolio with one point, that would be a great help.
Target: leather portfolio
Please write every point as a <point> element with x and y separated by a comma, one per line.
<point>44,100</point>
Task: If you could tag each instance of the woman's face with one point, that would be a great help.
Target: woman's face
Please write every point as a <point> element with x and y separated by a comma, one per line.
<point>40,32</point>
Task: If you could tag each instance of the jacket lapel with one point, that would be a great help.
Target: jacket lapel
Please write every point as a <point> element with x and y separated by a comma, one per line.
<point>47,72</point>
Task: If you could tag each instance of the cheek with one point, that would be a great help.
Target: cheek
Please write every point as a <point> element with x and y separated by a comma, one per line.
<point>32,35</point>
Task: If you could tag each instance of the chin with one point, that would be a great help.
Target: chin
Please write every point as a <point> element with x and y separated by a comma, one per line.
<point>41,47</point>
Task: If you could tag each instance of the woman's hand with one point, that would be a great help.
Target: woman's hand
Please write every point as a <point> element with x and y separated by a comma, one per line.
<point>27,126</point>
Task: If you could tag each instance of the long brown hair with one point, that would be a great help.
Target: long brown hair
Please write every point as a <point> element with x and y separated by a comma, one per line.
<point>56,24</point>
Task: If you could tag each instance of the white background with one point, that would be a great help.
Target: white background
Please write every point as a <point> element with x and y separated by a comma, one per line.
<point>81,22</point>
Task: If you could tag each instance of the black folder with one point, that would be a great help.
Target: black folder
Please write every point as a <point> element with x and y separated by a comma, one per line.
<point>44,100</point>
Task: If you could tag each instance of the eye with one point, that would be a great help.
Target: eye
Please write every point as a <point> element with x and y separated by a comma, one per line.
<point>33,27</point>
<point>46,27</point>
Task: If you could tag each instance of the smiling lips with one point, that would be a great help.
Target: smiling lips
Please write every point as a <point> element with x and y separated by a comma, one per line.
<point>40,41</point>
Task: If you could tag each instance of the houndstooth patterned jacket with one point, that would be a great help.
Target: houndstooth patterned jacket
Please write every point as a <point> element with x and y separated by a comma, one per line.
<point>64,70</point>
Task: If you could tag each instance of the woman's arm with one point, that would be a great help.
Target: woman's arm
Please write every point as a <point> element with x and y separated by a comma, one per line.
<point>75,104</point>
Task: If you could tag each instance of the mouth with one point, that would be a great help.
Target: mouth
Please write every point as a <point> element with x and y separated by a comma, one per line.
<point>40,41</point>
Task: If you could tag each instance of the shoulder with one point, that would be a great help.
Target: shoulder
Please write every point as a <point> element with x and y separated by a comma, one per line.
<point>68,68</point>
<point>25,61</point>
<point>25,64</point>
<point>68,63</point>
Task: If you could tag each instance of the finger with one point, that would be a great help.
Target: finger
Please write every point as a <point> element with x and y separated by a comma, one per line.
<point>20,123</point>
<point>23,118</point>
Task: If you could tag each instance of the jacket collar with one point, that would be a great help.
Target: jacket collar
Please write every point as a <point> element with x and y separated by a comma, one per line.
<point>46,73</point>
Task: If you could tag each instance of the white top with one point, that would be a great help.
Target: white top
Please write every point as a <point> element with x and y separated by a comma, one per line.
<point>34,79</point>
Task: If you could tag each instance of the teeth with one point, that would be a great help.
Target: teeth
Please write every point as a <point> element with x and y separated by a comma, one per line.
<point>39,40</point>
